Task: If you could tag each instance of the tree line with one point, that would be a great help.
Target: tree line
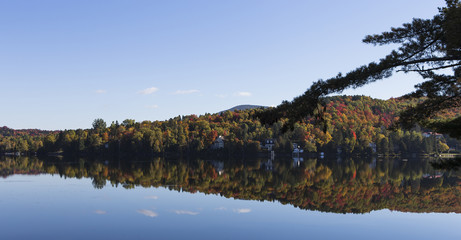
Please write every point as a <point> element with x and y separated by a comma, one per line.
<point>351,125</point>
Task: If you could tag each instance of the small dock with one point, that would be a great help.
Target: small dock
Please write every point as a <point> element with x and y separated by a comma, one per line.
<point>450,155</point>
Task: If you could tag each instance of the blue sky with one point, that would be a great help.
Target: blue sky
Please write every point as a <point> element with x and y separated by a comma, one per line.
<point>65,63</point>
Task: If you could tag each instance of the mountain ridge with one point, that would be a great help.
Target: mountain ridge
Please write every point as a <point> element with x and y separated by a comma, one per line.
<point>244,107</point>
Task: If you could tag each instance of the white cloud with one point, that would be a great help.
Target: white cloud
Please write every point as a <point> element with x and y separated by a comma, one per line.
<point>100,212</point>
<point>148,91</point>
<point>152,106</point>
<point>243,94</point>
<point>242,210</point>
<point>182,92</point>
<point>221,208</point>
<point>100,91</point>
<point>185,212</point>
<point>151,197</point>
<point>147,213</point>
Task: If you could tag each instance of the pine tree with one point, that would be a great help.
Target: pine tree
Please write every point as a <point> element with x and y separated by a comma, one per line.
<point>425,46</point>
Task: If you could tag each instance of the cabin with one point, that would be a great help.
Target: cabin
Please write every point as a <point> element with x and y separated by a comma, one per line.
<point>372,146</point>
<point>218,143</point>
<point>429,134</point>
<point>297,149</point>
<point>268,144</point>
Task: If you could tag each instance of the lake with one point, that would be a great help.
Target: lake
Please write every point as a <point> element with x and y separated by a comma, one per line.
<point>60,198</point>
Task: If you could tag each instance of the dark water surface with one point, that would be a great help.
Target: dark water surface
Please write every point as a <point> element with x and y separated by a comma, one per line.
<point>227,199</point>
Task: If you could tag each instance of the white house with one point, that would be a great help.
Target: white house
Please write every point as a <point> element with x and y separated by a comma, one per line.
<point>297,149</point>
<point>218,143</point>
<point>436,135</point>
<point>268,144</point>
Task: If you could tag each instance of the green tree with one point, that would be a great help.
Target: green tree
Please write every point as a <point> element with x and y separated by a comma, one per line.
<point>99,124</point>
<point>128,123</point>
<point>425,46</point>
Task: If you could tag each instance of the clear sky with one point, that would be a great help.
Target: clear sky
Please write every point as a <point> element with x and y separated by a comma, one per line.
<point>65,63</point>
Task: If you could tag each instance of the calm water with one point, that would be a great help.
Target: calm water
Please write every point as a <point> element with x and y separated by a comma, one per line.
<point>198,199</point>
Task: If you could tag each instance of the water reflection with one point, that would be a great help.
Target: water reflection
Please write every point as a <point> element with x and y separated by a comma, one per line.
<point>345,186</point>
<point>447,164</point>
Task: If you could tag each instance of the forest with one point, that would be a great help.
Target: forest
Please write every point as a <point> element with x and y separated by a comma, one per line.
<point>349,125</point>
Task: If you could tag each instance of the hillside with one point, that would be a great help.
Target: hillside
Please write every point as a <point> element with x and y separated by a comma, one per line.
<point>351,124</point>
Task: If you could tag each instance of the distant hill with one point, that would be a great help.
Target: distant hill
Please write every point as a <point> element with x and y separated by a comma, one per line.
<point>244,107</point>
<point>6,131</point>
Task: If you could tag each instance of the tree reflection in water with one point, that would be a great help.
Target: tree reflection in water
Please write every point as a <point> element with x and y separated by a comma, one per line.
<point>341,186</point>
<point>447,164</point>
